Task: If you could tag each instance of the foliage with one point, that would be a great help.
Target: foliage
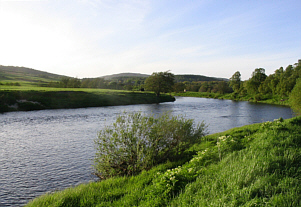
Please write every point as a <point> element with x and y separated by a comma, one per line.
<point>295,98</point>
<point>66,82</point>
<point>136,142</point>
<point>260,167</point>
<point>272,89</point>
<point>222,87</point>
<point>235,81</point>
<point>179,87</point>
<point>194,78</point>
<point>258,76</point>
<point>160,82</point>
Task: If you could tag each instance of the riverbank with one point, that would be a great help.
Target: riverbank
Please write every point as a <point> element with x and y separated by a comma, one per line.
<point>256,164</point>
<point>53,98</point>
<point>268,99</point>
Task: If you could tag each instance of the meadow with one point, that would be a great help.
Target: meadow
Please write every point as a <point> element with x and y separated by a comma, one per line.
<point>254,165</point>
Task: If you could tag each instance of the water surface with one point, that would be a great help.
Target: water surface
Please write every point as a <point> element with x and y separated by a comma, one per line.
<point>48,150</point>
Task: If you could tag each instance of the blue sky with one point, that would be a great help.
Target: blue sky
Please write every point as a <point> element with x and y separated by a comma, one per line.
<point>92,38</point>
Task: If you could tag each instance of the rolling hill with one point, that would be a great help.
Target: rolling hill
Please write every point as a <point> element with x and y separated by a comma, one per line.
<point>125,75</point>
<point>26,75</point>
<point>30,76</point>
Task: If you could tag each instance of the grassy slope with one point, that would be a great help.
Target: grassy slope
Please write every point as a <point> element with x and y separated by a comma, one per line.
<point>264,99</point>
<point>255,165</point>
<point>37,98</point>
<point>26,76</point>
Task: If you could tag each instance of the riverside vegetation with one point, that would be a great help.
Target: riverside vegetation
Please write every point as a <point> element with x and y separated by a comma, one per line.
<point>254,165</point>
<point>55,98</point>
<point>282,87</point>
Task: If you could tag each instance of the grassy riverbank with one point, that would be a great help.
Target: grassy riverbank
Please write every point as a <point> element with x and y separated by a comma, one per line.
<point>37,98</point>
<point>254,165</point>
<point>269,99</point>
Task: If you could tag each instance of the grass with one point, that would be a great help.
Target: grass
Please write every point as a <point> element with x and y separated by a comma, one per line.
<point>26,76</point>
<point>254,165</point>
<point>14,98</point>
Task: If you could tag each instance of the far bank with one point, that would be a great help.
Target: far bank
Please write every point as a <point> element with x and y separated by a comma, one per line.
<point>47,98</point>
<point>268,99</point>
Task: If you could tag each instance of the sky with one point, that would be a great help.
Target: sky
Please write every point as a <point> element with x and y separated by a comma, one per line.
<point>93,38</point>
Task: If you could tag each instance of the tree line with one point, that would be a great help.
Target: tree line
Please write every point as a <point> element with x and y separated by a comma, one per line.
<point>258,87</point>
<point>280,83</point>
<point>131,83</point>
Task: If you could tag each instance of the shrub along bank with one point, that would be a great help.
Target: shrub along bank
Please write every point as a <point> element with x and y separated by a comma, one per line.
<point>269,99</point>
<point>255,165</point>
<point>26,100</point>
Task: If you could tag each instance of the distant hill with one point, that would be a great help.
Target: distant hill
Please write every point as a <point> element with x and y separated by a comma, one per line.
<point>178,78</point>
<point>23,74</point>
<point>36,77</point>
<point>124,75</point>
<point>191,78</point>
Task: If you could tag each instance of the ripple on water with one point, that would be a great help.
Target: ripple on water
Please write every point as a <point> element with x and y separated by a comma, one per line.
<point>44,151</point>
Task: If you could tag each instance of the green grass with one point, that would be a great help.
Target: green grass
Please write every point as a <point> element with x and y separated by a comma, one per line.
<point>255,165</point>
<point>26,76</point>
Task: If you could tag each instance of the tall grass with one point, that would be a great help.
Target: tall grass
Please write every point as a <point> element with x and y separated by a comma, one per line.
<point>255,165</point>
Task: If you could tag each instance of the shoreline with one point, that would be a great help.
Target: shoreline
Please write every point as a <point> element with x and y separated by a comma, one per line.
<point>273,101</point>
<point>30,100</point>
<point>250,144</point>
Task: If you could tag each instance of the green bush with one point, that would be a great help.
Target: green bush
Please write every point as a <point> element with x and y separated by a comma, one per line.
<point>136,142</point>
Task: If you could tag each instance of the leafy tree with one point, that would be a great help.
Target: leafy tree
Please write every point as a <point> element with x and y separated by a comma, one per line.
<point>136,142</point>
<point>295,97</point>
<point>258,77</point>
<point>222,87</point>
<point>204,87</point>
<point>179,87</point>
<point>66,82</point>
<point>74,83</point>
<point>93,83</point>
<point>160,82</point>
<point>235,81</point>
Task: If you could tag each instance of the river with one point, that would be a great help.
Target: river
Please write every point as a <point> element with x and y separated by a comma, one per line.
<point>48,150</point>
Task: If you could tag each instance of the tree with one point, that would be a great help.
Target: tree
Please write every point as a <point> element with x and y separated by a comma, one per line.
<point>295,97</point>
<point>179,87</point>
<point>235,81</point>
<point>136,142</point>
<point>258,77</point>
<point>222,87</point>
<point>160,82</point>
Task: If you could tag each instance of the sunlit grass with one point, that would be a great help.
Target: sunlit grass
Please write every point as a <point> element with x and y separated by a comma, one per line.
<point>255,165</point>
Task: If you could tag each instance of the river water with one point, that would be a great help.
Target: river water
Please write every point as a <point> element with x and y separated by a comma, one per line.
<point>48,150</point>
